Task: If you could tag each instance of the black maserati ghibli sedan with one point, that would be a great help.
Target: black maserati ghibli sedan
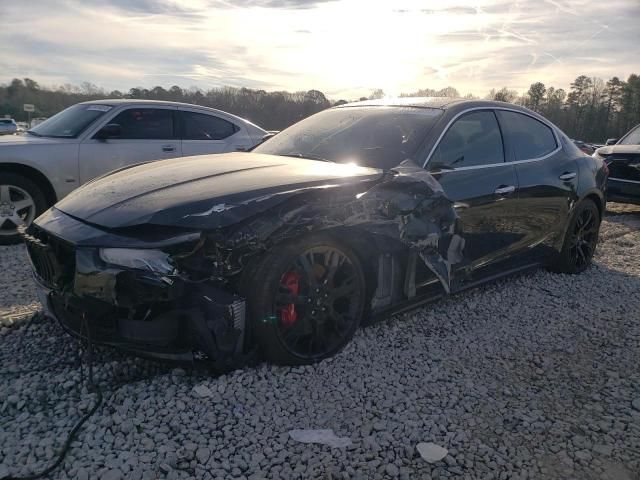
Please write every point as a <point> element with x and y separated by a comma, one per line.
<point>356,212</point>
<point>623,160</point>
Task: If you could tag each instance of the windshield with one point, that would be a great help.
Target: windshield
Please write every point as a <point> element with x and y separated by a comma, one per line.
<point>373,136</point>
<point>632,138</point>
<point>70,122</point>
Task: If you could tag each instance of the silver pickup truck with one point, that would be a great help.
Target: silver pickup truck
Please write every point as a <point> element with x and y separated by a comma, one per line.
<point>89,139</point>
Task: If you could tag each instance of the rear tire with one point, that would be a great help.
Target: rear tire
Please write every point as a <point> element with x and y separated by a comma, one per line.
<point>21,202</point>
<point>306,299</point>
<point>580,240</point>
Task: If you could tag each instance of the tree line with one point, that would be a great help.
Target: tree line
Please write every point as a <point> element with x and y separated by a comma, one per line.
<point>591,110</point>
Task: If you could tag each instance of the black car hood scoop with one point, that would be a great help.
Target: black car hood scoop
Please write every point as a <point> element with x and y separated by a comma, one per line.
<point>203,192</point>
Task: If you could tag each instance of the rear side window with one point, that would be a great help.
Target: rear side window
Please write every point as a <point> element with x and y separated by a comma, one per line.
<point>530,138</point>
<point>145,123</point>
<point>473,140</point>
<point>199,126</point>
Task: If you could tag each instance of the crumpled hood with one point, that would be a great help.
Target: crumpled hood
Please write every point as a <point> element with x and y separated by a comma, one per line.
<point>622,149</point>
<point>203,192</point>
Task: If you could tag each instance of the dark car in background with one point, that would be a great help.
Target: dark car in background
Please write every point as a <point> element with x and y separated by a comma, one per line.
<point>623,159</point>
<point>355,212</point>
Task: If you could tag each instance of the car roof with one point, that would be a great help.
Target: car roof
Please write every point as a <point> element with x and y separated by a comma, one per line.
<point>131,101</point>
<point>431,102</point>
<point>418,102</point>
<point>135,101</point>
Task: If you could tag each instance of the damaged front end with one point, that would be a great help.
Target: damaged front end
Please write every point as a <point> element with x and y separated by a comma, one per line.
<point>132,296</point>
<point>174,292</point>
<point>406,209</point>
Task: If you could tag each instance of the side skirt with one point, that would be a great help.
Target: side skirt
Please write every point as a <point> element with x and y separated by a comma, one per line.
<point>427,298</point>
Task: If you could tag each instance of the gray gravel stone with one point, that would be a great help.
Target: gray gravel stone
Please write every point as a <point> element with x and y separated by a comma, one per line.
<point>392,470</point>
<point>603,449</point>
<point>203,454</point>
<point>112,475</point>
<point>431,452</point>
<point>462,373</point>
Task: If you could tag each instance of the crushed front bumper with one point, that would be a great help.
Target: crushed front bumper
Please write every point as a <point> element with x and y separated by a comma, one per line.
<point>136,310</point>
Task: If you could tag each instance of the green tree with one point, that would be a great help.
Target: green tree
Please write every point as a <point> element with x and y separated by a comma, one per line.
<point>536,96</point>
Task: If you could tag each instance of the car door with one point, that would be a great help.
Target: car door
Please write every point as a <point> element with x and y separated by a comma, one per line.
<point>146,133</point>
<point>469,162</point>
<point>204,132</point>
<point>548,178</point>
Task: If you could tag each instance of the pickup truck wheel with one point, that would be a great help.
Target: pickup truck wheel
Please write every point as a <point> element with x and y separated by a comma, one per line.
<point>21,201</point>
<point>307,300</point>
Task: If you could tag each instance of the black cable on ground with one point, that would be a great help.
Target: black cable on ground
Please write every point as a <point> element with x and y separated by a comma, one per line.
<point>67,444</point>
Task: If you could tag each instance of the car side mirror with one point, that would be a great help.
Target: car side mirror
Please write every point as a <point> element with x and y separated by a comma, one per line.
<point>111,130</point>
<point>611,141</point>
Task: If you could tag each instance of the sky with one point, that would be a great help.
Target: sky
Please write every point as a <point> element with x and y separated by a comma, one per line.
<point>344,48</point>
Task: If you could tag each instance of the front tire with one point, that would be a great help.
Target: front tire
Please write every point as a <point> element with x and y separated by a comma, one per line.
<point>581,239</point>
<point>21,201</point>
<point>306,300</point>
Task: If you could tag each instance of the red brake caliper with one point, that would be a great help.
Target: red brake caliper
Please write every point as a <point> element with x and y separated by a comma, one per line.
<point>288,315</point>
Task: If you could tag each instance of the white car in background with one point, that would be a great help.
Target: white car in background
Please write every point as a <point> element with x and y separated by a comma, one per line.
<point>8,126</point>
<point>89,139</point>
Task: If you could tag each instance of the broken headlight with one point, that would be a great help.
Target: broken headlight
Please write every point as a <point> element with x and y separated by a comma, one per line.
<point>155,261</point>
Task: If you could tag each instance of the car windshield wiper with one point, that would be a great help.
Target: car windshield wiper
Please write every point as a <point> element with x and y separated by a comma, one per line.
<point>305,155</point>
<point>35,134</point>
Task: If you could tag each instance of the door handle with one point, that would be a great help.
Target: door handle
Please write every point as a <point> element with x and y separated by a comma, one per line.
<point>635,165</point>
<point>567,176</point>
<point>504,190</point>
<point>168,148</point>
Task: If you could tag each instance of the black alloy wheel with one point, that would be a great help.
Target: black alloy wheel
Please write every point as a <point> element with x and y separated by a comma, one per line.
<point>584,238</point>
<point>311,301</point>
<point>581,239</point>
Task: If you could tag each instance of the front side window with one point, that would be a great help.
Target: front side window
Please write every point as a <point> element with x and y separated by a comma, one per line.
<point>369,136</point>
<point>70,122</point>
<point>473,140</point>
<point>199,126</point>
<point>530,138</point>
<point>632,138</point>
<point>145,124</point>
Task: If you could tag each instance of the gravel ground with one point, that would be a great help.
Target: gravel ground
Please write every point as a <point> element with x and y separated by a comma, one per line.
<point>534,377</point>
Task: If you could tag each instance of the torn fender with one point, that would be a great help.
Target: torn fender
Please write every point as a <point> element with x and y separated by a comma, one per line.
<point>407,205</point>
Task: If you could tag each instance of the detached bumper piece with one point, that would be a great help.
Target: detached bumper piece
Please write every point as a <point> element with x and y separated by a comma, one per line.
<point>136,310</point>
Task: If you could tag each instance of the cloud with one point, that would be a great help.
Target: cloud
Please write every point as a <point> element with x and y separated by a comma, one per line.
<point>144,7</point>
<point>342,47</point>
<point>281,4</point>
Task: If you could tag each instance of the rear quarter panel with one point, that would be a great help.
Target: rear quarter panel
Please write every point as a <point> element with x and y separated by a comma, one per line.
<point>592,179</point>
